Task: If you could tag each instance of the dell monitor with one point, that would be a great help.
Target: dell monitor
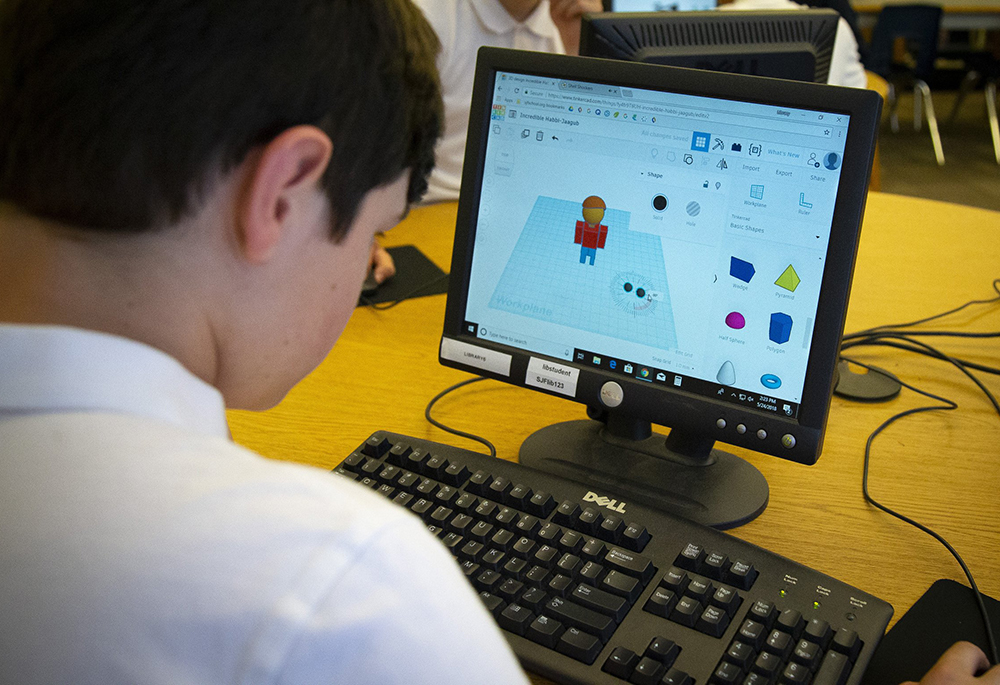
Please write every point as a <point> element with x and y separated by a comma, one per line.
<point>789,44</point>
<point>664,246</point>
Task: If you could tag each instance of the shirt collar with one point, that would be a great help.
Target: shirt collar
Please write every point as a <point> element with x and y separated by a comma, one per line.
<point>497,20</point>
<point>46,369</point>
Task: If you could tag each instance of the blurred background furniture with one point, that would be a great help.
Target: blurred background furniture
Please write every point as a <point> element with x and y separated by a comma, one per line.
<point>902,51</point>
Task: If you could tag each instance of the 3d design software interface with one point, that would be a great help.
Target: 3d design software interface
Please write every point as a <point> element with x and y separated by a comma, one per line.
<point>671,238</point>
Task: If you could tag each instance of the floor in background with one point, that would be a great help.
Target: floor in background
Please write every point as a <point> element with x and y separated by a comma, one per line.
<point>970,175</point>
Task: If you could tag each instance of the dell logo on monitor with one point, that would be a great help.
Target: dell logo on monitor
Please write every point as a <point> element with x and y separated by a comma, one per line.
<point>606,502</point>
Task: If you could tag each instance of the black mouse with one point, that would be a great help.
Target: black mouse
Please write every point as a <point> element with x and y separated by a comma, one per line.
<point>370,285</point>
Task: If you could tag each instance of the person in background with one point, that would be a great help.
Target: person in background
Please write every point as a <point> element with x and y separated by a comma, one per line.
<point>188,197</point>
<point>846,68</point>
<point>463,26</point>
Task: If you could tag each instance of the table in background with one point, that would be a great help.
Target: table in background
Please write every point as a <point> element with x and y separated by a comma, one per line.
<point>968,15</point>
<point>917,257</point>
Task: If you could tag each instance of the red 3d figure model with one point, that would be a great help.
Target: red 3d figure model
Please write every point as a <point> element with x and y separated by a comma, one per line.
<point>590,233</point>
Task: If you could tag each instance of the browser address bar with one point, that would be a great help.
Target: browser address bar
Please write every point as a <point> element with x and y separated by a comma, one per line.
<point>564,100</point>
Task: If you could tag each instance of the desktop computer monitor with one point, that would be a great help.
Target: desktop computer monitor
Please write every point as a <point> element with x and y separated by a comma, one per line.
<point>665,246</point>
<point>792,44</point>
<point>657,5</point>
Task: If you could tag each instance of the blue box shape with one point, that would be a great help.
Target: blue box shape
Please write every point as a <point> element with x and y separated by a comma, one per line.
<point>781,328</point>
<point>741,269</point>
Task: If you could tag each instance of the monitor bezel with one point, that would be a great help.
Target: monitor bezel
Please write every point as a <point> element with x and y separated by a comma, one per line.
<point>740,33</point>
<point>658,404</point>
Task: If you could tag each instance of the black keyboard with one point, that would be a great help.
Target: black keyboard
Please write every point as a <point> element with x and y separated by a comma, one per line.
<point>591,589</point>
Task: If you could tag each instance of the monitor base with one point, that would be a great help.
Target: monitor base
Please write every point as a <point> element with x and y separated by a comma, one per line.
<point>722,491</point>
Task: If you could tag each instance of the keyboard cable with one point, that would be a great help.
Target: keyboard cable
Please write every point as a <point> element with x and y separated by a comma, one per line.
<point>455,431</point>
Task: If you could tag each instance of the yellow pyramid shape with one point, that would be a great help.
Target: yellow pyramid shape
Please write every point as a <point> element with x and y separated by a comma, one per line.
<point>789,280</point>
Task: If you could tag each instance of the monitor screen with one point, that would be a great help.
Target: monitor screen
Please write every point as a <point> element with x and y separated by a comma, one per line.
<point>792,44</point>
<point>660,246</point>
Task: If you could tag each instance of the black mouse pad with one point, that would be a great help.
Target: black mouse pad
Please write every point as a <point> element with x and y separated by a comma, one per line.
<point>945,614</point>
<point>416,276</point>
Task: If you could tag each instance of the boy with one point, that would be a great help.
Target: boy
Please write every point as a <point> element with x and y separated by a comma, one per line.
<point>188,197</point>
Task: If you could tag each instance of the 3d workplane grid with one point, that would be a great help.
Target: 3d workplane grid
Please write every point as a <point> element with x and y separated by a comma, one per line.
<point>622,295</point>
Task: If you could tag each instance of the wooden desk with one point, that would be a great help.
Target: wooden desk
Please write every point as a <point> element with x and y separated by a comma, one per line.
<point>917,257</point>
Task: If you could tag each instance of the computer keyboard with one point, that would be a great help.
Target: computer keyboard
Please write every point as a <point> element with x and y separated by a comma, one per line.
<point>589,588</point>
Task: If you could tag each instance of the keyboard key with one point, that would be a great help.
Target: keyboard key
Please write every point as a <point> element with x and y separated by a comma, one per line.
<point>713,621</point>
<point>727,673</point>
<point>686,612</point>
<point>715,566</point>
<point>511,590</point>
<point>600,601</point>
<point>415,460</point>
<point>487,509</point>
<point>525,547</point>
<point>847,643</point>
<point>398,454</point>
<point>494,604</point>
<point>566,513</point>
<point>579,645</point>
<point>700,588</point>
<point>675,579</point>
<point>635,537</point>
<point>647,672</point>
<point>742,575</point>
<point>794,674</point>
<point>455,474</point>
<point>767,665</point>
<point>622,585</point>
<point>677,677</point>
<point>446,494</point>
<point>376,446</point>
<point>534,598</point>
<point>498,489</point>
<point>571,541</point>
<point>389,474</point>
<point>752,633</point>
<point>549,533</point>
<point>403,499</point>
<point>779,643</point>
<point>635,565</point>
<point>466,503</point>
<point>453,541</point>
<point>611,529</point>
<point>515,618</point>
<point>741,654</point>
<point>545,631</point>
<point>519,496</point>
<point>691,558</point>
<point>408,481</point>
<point>560,585</point>
<point>528,525</point>
<point>763,612</point>
<point>540,504</point>
<point>479,483</point>
<point>819,632</point>
<point>507,517</point>
<point>588,521</point>
<point>515,568</point>
<point>569,564</point>
<point>791,622</point>
<point>661,602</point>
<point>502,540</point>
<point>434,466</point>
<point>546,556</point>
<point>371,468</point>
<point>620,662</point>
<point>834,669</point>
<point>726,599</point>
<point>591,572</point>
<point>580,617</point>
<point>538,576</point>
<point>492,559</point>
<point>460,523</point>
<point>427,488</point>
<point>593,549</point>
<point>663,650</point>
<point>353,461</point>
<point>808,654</point>
<point>472,551</point>
<point>481,531</point>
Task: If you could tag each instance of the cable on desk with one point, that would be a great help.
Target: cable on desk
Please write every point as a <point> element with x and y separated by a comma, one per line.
<point>906,340</point>
<point>382,306</point>
<point>454,431</point>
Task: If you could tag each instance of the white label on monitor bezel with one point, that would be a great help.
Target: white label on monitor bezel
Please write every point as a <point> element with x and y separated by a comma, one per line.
<point>473,355</point>
<point>548,375</point>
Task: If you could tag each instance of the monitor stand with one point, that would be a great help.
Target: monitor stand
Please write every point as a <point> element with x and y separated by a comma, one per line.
<point>680,473</point>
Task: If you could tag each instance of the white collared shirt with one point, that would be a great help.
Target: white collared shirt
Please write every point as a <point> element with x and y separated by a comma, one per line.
<point>463,26</point>
<point>139,545</point>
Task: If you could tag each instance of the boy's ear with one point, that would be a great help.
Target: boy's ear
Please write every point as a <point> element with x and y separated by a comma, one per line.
<point>287,171</point>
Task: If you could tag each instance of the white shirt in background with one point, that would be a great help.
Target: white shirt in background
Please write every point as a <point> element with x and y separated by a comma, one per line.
<point>845,63</point>
<point>463,26</point>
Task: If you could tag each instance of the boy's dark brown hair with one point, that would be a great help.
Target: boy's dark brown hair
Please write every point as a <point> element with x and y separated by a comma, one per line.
<point>118,115</point>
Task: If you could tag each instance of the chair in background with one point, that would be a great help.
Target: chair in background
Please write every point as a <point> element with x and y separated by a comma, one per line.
<point>918,27</point>
<point>979,66</point>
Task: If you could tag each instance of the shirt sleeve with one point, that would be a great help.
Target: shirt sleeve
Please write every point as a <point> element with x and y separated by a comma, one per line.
<point>401,613</point>
<point>845,64</point>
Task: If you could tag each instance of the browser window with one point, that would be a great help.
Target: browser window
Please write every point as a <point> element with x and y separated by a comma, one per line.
<point>672,238</point>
